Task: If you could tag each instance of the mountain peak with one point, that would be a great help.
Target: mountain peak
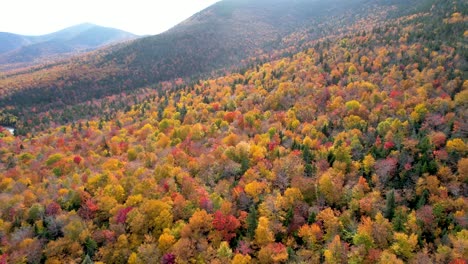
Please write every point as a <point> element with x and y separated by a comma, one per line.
<point>81,26</point>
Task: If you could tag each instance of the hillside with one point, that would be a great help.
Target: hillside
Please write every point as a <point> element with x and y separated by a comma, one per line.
<point>213,41</point>
<point>18,51</point>
<point>352,150</point>
<point>11,42</point>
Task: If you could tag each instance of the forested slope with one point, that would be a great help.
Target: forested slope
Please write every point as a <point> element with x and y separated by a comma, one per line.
<point>353,150</point>
<point>211,43</point>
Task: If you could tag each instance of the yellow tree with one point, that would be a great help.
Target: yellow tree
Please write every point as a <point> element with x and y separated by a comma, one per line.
<point>263,234</point>
<point>151,215</point>
<point>335,252</point>
<point>311,234</point>
<point>331,222</point>
<point>404,245</point>
<point>331,186</point>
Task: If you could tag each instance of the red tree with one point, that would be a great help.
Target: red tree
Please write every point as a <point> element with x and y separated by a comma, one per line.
<point>226,224</point>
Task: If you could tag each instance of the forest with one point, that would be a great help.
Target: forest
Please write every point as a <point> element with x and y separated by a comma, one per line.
<point>351,149</point>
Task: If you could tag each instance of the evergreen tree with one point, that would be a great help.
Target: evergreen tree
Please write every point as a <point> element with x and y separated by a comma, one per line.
<point>390,205</point>
<point>423,199</point>
<point>252,221</point>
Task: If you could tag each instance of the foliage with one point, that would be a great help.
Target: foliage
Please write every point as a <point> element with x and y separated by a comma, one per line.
<point>352,149</point>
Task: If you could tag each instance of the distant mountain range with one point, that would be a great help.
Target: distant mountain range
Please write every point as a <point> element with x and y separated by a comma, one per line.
<point>19,49</point>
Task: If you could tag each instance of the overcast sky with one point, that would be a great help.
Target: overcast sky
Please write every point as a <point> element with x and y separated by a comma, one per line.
<point>142,17</point>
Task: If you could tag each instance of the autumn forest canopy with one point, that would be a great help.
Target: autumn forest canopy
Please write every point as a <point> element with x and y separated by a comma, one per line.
<point>339,136</point>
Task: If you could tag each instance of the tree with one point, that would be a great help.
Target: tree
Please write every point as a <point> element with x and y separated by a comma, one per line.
<point>311,234</point>
<point>386,168</point>
<point>255,189</point>
<point>263,234</point>
<point>252,221</point>
<point>336,251</point>
<point>226,224</point>
<point>224,251</point>
<point>165,241</point>
<point>463,169</point>
<point>389,258</point>
<point>363,235</point>
<point>151,216</point>
<point>331,185</point>
<point>273,253</point>
<point>200,223</point>
<point>460,245</point>
<point>381,231</point>
<point>404,245</point>
<point>331,223</point>
<point>390,205</point>
<point>307,157</point>
<point>241,259</point>
<point>368,163</point>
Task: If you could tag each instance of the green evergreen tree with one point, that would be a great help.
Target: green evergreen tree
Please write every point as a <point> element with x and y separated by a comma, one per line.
<point>423,199</point>
<point>390,205</point>
<point>252,221</point>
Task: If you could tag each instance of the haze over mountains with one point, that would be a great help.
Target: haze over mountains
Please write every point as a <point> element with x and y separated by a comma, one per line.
<point>19,49</point>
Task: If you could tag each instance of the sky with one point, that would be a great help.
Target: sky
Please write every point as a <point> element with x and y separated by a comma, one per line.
<point>141,17</point>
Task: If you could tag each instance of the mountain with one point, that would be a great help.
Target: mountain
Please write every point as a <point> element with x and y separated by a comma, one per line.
<point>228,35</point>
<point>21,50</point>
<point>9,42</point>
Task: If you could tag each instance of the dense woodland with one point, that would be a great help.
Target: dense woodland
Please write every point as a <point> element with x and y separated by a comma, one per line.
<point>352,150</point>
